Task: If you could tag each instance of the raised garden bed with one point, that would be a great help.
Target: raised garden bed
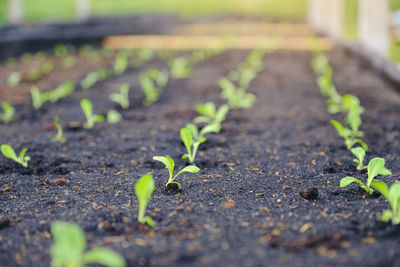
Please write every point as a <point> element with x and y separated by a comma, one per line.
<point>244,207</point>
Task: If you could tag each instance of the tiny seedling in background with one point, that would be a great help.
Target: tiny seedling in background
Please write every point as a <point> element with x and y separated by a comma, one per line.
<point>144,187</point>
<point>59,137</point>
<point>14,79</point>
<point>63,90</point>
<point>170,165</point>
<point>359,152</point>
<point>237,98</point>
<point>38,98</point>
<point>192,138</point>
<point>376,167</point>
<point>180,68</point>
<point>121,63</point>
<point>392,195</point>
<point>69,62</point>
<point>209,114</point>
<point>160,77</point>
<point>121,98</point>
<point>113,116</point>
<point>8,114</point>
<point>347,134</point>
<point>151,92</point>
<point>9,152</point>
<point>69,248</point>
<point>60,50</point>
<point>91,119</point>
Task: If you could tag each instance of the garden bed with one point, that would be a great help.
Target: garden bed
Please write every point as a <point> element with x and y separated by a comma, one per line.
<point>244,206</point>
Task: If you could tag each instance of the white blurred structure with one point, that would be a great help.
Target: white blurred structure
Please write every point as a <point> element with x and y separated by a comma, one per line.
<point>83,8</point>
<point>15,13</point>
<point>326,16</point>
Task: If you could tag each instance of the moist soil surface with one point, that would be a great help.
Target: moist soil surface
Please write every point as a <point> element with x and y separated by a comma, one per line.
<point>246,206</point>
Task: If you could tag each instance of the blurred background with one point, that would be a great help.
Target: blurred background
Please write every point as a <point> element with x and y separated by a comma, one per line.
<point>45,11</point>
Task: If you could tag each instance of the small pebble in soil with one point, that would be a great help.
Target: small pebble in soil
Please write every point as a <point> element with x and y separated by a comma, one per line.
<point>309,193</point>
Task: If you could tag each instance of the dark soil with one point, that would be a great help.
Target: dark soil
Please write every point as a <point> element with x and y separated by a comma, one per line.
<point>244,208</point>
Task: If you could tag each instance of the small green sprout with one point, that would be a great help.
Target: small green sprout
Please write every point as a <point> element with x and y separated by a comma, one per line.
<point>376,167</point>
<point>392,195</point>
<point>160,77</point>
<point>69,248</point>
<point>151,92</point>
<point>237,97</point>
<point>91,118</point>
<point>60,50</point>
<point>113,116</point>
<point>59,137</point>
<point>8,114</point>
<point>25,58</point>
<point>192,138</point>
<point>359,152</point>
<point>142,57</point>
<point>47,67</point>
<point>9,152</point>
<point>14,79</point>
<point>69,62</point>
<point>144,187</point>
<point>11,63</point>
<point>209,114</point>
<point>89,80</point>
<point>170,165</point>
<point>320,63</point>
<point>122,98</point>
<point>63,90</point>
<point>348,135</point>
<point>121,63</point>
<point>180,68</point>
<point>38,97</point>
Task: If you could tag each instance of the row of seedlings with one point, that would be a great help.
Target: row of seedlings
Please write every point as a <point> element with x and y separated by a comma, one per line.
<point>350,106</point>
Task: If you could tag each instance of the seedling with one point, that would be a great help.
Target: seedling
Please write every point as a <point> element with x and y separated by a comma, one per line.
<point>142,56</point>
<point>359,152</point>
<point>192,138</point>
<point>8,114</point>
<point>376,167</point>
<point>39,98</point>
<point>63,90</point>
<point>91,118</point>
<point>180,68</point>
<point>160,77</point>
<point>170,165</point>
<point>349,139</point>
<point>237,98</point>
<point>60,50</point>
<point>392,195</point>
<point>209,114</point>
<point>151,92</point>
<point>69,248</point>
<point>144,187</point>
<point>59,137</point>
<point>69,62</point>
<point>320,63</point>
<point>121,98</point>
<point>121,63</point>
<point>9,152</point>
<point>14,79</point>
<point>48,66</point>
<point>113,116</point>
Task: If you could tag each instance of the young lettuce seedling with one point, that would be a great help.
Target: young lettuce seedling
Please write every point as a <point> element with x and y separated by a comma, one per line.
<point>209,114</point>
<point>180,68</point>
<point>151,92</point>
<point>59,137</point>
<point>9,152</point>
<point>8,114</point>
<point>144,187</point>
<point>192,138</point>
<point>376,167</point>
<point>121,63</point>
<point>392,195</point>
<point>170,165</point>
<point>91,118</point>
<point>359,152</point>
<point>160,77</point>
<point>113,116</point>
<point>121,98</point>
<point>14,79</point>
<point>38,97</point>
<point>63,90</point>
<point>69,248</point>
<point>237,97</point>
<point>349,139</point>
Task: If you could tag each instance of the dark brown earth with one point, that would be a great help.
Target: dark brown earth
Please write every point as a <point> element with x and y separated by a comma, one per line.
<point>244,207</point>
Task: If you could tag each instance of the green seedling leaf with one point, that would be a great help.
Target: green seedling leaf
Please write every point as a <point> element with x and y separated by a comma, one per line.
<point>9,152</point>
<point>359,152</point>
<point>59,137</point>
<point>14,79</point>
<point>348,180</point>
<point>392,195</point>
<point>91,119</point>
<point>8,114</point>
<point>170,164</point>
<point>187,139</point>
<point>113,116</point>
<point>143,189</point>
<point>122,98</point>
<point>38,98</point>
<point>104,256</point>
<point>121,64</point>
